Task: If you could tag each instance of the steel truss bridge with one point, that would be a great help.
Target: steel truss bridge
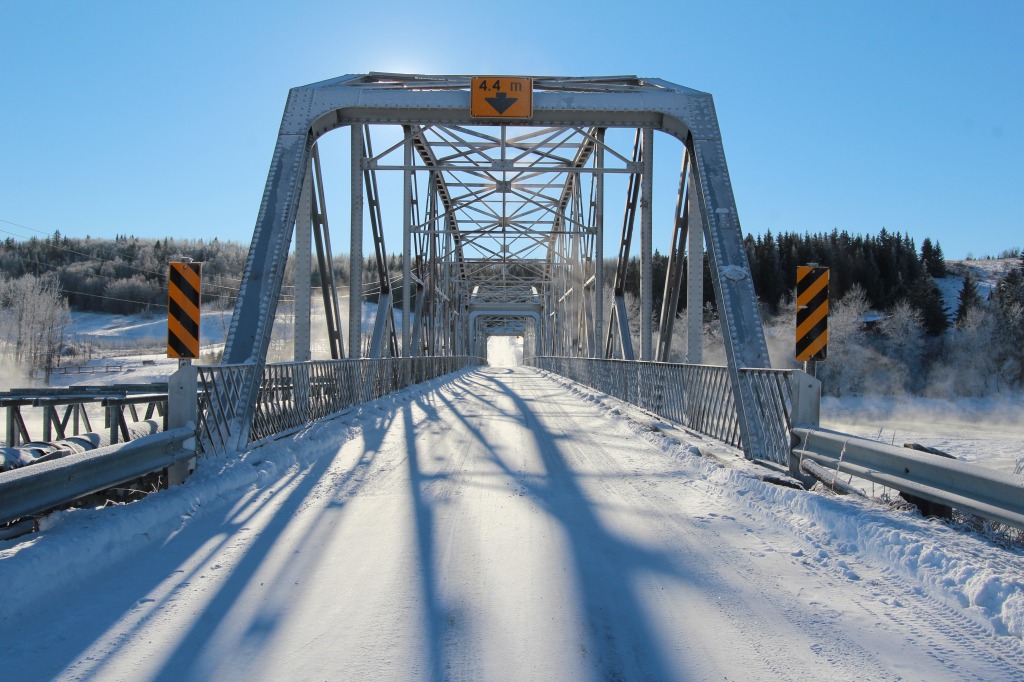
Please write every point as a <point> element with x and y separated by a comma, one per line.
<point>503,225</point>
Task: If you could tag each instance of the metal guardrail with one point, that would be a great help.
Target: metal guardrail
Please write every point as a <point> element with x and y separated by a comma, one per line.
<point>986,492</point>
<point>37,488</point>
<point>156,406</point>
<point>64,411</point>
<point>699,397</point>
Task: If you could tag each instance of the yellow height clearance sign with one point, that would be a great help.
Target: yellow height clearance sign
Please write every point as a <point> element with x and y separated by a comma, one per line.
<point>501,97</point>
<point>183,285</point>
<point>811,312</point>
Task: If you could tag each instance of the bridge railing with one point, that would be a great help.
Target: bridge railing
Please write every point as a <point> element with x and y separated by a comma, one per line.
<point>699,397</point>
<point>294,394</point>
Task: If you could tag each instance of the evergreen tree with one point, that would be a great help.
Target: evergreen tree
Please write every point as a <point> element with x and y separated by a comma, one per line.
<point>939,263</point>
<point>932,258</point>
<point>927,298</point>
<point>968,300</point>
<point>1010,288</point>
<point>768,280</point>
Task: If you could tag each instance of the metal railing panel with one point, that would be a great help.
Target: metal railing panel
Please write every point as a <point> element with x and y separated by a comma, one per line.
<point>295,394</point>
<point>773,397</point>
<point>699,397</point>
<point>220,396</point>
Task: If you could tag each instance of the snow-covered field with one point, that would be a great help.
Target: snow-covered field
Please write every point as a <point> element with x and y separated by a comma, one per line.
<point>127,332</point>
<point>503,524</point>
<point>985,272</point>
<point>985,431</point>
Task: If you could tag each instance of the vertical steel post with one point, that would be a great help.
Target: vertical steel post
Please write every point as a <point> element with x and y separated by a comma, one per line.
<point>47,423</point>
<point>355,286</point>
<point>407,244</point>
<point>303,269</point>
<point>646,224</point>
<point>325,260</point>
<point>694,279</point>
<point>599,245</point>
<point>674,271</point>
<point>13,439</point>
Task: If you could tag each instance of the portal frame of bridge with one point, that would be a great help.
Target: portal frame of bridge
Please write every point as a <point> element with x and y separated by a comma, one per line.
<point>588,106</point>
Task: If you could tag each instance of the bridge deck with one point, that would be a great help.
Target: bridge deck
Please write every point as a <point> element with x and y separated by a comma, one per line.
<point>499,527</point>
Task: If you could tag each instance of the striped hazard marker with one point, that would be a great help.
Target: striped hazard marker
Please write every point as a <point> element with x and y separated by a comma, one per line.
<point>183,285</point>
<point>811,312</point>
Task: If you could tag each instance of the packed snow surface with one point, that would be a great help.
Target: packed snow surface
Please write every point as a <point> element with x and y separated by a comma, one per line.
<point>503,524</point>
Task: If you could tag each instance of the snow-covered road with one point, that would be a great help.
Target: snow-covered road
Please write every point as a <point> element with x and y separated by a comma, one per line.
<point>503,527</point>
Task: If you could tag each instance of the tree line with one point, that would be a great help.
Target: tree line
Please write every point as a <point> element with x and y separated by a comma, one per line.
<point>884,272</point>
<point>125,275</point>
<point>980,355</point>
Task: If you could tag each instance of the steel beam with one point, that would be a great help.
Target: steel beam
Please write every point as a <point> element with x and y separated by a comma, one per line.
<point>407,180</point>
<point>694,279</point>
<point>742,332</point>
<point>674,271</point>
<point>646,247</point>
<point>598,243</point>
<point>325,261</point>
<point>355,290</point>
<point>303,270</point>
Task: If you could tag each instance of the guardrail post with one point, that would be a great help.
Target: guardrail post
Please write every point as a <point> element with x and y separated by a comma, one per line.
<point>182,409</point>
<point>113,422</point>
<point>47,423</point>
<point>806,399</point>
<point>806,411</point>
<point>13,439</point>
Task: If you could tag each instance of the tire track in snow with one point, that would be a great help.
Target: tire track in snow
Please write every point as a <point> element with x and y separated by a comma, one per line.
<point>708,556</point>
<point>952,638</point>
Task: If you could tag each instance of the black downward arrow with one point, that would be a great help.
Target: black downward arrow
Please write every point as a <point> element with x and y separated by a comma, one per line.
<point>501,102</point>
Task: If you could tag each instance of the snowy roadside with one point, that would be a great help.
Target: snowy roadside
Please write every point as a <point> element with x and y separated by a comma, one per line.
<point>960,569</point>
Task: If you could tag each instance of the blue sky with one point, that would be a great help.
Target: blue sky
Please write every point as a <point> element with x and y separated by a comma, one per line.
<point>159,118</point>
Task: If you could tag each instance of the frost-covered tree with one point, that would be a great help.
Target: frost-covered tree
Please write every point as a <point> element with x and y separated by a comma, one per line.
<point>967,365</point>
<point>849,357</point>
<point>1008,303</point>
<point>903,343</point>
<point>33,316</point>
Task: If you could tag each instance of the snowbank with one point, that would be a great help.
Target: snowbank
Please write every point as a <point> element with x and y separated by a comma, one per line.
<point>950,566</point>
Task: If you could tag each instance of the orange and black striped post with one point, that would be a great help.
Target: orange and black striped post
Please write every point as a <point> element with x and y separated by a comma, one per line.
<point>811,313</point>
<point>183,286</point>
